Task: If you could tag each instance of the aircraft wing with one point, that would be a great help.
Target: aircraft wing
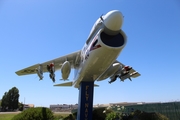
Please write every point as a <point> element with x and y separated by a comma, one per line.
<point>73,58</point>
<point>131,71</point>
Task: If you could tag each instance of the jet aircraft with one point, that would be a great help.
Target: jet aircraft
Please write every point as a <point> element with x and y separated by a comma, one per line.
<point>96,61</point>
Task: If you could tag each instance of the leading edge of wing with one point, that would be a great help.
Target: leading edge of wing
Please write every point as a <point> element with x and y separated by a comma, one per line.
<point>72,57</point>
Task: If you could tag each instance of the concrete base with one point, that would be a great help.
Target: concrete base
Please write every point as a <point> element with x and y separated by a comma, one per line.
<point>85,102</point>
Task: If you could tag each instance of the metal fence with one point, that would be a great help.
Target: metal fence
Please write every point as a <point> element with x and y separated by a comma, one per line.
<point>170,110</point>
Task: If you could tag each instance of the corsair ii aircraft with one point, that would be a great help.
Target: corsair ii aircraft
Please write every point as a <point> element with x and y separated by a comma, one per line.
<point>96,61</point>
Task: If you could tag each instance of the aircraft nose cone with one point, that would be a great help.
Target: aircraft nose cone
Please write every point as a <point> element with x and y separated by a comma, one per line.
<point>113,20</point>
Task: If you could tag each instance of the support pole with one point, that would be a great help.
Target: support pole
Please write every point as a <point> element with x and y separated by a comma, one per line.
<point>85,102</point>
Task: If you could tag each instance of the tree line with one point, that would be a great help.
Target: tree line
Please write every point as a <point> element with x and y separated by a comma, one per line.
<point>10,100</point>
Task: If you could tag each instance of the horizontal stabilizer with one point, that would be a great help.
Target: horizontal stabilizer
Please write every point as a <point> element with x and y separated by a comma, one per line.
<point>65,84</point>
<point>70,84</point>
<point>95,85</point>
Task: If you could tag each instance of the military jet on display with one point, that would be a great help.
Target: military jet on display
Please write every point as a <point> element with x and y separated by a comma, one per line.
<point>96,61</point>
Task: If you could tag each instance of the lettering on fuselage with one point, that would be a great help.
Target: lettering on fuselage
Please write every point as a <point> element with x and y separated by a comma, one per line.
<point>88,48</point>
<point>83,53</point>
<point>86,102</point>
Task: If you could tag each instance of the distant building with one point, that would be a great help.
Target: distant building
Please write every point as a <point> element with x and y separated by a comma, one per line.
<point>101,105</point>
<point>63,107</point>
<point>26,106</point>
<point>127,103</point>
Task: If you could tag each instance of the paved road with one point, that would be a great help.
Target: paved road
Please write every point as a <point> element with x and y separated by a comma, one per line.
<point>20,112</point>
<point>10,112</point>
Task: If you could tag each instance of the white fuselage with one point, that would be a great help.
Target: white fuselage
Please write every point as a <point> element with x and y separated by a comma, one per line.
<point>104,44</point>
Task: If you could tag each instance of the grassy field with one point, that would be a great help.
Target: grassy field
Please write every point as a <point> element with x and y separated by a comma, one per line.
<point>11,115</point>
<point>7,116</point>
<point>57,116</point>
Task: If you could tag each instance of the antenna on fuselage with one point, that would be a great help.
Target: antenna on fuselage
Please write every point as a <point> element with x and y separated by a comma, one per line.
<point>101,18</point>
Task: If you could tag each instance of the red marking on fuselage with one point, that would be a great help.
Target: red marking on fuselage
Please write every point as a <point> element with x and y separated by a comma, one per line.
<point>95,47</point>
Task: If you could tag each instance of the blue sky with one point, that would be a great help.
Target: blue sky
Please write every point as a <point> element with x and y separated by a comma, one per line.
<point>34,31</point>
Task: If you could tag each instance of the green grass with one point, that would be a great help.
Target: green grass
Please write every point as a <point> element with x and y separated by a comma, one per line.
<point>11,115</point>
<point>7,116</point>
<point>57,116</point>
